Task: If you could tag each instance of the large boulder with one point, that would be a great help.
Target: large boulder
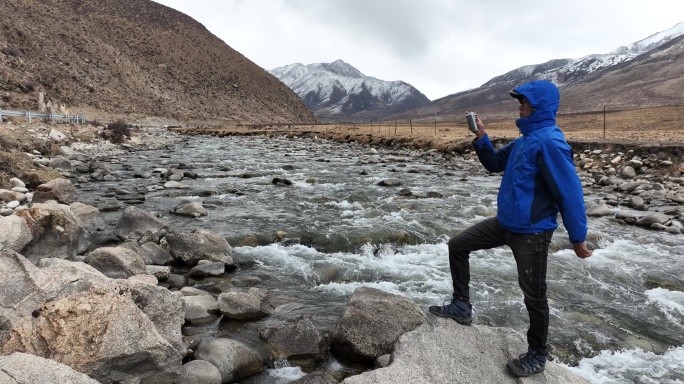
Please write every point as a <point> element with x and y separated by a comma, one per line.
<point>316,378</point>
<point>252,304</point>
<point>200,372</point>
<point>201,309</point>
<point>15,233</point>
<point>653,218</point>
<point>135,222</point>
<point>192,209</point>
<point>60,278</point>
<point>116,262</point>
<point>234,359</point>
<point>56,232</point>
<point>442,351</point>
<point>164,308</point>
<point>599,210</point>
<point>20,293</point>
<point>100,332</point>
<point>60,190</point>
<point>91,218</point>
<point>207,269</point>
<point>298,341</point>
<point>372,322</point>
<point>200,244</point>
<point>22,368</point>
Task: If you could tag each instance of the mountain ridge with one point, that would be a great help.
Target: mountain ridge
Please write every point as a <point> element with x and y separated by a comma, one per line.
<point>136,57</point>
<point>615,80</point>
<point>338,91</point>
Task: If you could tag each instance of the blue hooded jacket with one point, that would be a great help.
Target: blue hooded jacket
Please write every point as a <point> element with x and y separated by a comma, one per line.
<point>539,179</point>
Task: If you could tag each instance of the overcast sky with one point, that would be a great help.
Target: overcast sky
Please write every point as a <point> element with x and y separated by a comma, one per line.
<point>438,46</point>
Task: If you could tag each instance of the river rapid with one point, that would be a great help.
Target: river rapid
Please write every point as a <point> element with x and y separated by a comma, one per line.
<point>616,317</point>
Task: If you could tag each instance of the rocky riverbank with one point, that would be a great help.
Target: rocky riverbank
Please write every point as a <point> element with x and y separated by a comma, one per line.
<point>123,306</point>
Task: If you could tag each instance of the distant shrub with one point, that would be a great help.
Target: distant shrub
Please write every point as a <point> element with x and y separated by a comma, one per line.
<point>28,86</point>
<point>7,144</point>
<point>117,131</point>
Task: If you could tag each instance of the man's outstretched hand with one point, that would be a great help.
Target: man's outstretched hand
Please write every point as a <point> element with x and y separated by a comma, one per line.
<point>581,250</point>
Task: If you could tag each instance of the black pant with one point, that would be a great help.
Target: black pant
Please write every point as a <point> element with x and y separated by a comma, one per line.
<point>530,250</point>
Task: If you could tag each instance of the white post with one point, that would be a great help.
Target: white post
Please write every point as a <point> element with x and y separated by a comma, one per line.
<point>0,115</point>
<point>29,116</point>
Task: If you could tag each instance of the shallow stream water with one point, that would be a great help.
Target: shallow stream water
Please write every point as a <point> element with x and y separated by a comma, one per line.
<point>616,317</point>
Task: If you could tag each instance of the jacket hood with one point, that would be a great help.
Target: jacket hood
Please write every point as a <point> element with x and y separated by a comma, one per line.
<point>544,98</point>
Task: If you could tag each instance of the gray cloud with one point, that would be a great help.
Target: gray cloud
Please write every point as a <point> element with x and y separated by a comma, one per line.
<point>439,46</point>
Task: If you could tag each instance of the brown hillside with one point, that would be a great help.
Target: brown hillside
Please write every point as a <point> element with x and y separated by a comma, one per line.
<point>653,79</point>
<point>131,57</point>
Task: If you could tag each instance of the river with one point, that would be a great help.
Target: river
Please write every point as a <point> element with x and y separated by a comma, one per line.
<point>616,317</point>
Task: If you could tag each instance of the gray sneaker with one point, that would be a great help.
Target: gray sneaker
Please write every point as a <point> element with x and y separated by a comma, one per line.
<point>527,364</point>
<point>458,310</point>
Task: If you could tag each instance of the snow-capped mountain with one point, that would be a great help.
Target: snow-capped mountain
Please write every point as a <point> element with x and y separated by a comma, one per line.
<point>339,92</point>
<point>567,71</point>
<point>647,73</point>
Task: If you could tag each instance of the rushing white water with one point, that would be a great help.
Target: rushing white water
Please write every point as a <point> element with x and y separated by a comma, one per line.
<point>616,317</point>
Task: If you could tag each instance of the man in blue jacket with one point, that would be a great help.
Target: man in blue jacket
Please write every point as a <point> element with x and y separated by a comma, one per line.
<point>539,181</point>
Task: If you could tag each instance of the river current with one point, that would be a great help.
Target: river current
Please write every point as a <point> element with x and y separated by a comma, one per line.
<point>616,317</point>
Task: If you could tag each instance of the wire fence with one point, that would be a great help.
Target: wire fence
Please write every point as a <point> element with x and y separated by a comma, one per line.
<point>44,117</point>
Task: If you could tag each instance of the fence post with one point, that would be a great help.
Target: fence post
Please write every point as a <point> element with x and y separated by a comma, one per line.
<point>410,122</point>
<point>28,114</point>
<point>395,127</point>
<point>604,122</point>
<point>435,126</point>
<point>0,115</point>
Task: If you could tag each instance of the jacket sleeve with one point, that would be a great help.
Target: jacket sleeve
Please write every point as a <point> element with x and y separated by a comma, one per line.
<point>556,166</point>
<point>493,160</point>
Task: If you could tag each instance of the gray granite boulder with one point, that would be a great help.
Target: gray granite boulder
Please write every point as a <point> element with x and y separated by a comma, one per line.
<point>252,304</point>
<point>60,190</point>
<point>91,218</point>
<point>234,359</point>
<point>200,372</point>
<point>116,262</point>
<point>200,244</point>
<point>56,231</point>
<point>21,294</point>
<point>164,308</point>
<point>134,222</point>
<point>22,368</point>
<point>100,332</point>
<point>207,268</point>
<point>599,210</point>
<point>372,322</point>
<point>316,378</point>
<point>15,233</point>
<point>201,309</point>
<point>626,216</point>
<point>442,351</point>
<point>191,209</point>
<point>298,340</point>
<point>653,218</point>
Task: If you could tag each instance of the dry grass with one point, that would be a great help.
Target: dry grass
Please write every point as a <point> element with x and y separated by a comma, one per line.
<point>655,126</point>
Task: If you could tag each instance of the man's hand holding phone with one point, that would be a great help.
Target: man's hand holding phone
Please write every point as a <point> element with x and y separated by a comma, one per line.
<point>475,124</point>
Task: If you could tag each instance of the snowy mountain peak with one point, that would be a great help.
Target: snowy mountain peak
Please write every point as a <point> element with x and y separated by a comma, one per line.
<point>567,71</point>
<point>338,91</point>
<point>652,41</point>
<point>343,69</point>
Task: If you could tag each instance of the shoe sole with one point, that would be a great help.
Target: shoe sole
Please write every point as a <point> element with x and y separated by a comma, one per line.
<point>517,373</point>
<point>461,320</point>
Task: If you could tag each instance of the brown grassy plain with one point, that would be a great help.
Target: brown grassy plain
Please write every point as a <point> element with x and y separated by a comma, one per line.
<point>663,126</point>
